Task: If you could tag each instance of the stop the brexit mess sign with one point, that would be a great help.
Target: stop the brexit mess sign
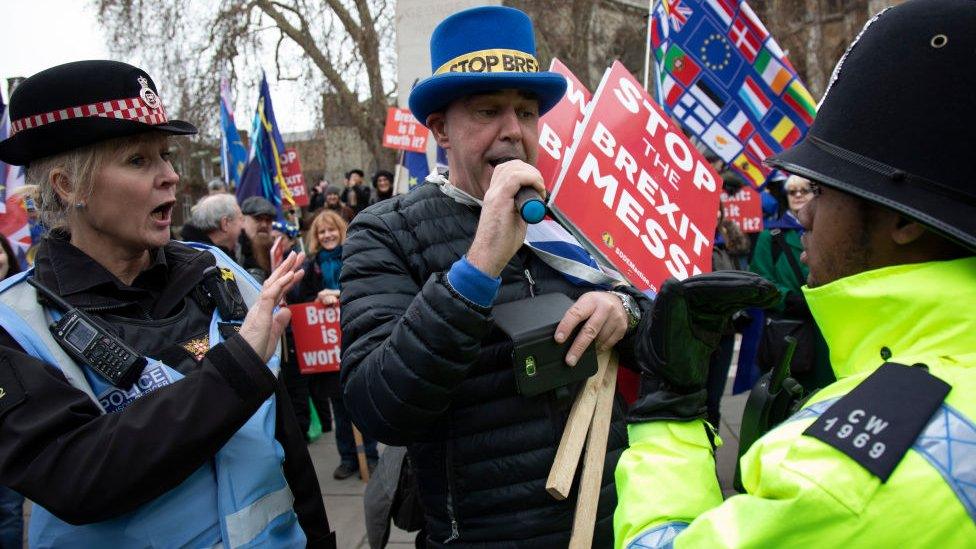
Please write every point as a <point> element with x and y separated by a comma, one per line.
<point>557,126</point>
<point>403,131</point>
<point>291,169</point>
<point>636,190</point>
<point>318,338</point>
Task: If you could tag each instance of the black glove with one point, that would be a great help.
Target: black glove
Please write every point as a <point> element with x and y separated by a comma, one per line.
<point>687,322</point>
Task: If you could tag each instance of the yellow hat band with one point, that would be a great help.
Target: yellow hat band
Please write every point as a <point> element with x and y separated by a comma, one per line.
<point>498,60</point>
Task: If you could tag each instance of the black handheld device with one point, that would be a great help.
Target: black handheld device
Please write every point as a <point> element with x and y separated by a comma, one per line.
<point>85,340</point>
<point>539,362</point>
<point>220,287</point>
<point>774,398</point>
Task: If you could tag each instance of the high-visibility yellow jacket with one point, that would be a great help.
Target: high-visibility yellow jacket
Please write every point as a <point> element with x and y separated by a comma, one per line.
<point>804,492</point>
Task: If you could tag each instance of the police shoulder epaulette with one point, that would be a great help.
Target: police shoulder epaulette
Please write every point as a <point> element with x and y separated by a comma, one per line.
<point>878,421</point>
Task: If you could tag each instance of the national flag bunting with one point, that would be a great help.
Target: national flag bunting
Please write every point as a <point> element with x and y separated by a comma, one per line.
<point>772,71</point>
<point>678,13</point>
<point>677,62</point>
<point>753,97</point>
<point>721,74</point>
<point>670,90</point>
<point>786,132</point>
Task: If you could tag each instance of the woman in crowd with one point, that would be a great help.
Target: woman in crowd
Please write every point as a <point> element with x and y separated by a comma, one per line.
<point>324,241</point>
<point>152,416</point>
<point>383,185</point>
<point>776,258</point>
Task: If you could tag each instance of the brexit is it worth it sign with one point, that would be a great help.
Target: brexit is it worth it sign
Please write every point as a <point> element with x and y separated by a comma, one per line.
<point>403,131</point>
<point>635,190</point>
<point>318,337</point>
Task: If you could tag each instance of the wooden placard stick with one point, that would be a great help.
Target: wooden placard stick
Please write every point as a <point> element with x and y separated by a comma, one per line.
<point>593,459</point>
<point>563,470</point>
<point>361,454</point>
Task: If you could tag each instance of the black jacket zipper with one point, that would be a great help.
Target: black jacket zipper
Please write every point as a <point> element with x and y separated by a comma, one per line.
<point>449,465</point>
<point>531,281</point>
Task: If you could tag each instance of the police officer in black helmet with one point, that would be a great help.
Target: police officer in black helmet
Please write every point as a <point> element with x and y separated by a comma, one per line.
<point>884,456</point>
<point>150,413</point>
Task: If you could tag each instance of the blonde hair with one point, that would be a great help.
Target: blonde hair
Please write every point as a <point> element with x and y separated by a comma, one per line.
<point>79,167</point>
<point>324,217</point>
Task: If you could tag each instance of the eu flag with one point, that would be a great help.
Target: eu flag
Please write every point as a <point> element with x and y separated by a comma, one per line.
<point>726,79</point>
<point>417,168</point>
<point>263,176</point>
<point>233,155</point>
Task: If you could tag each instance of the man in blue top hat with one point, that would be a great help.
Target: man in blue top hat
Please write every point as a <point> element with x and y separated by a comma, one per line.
<point>422,366</point>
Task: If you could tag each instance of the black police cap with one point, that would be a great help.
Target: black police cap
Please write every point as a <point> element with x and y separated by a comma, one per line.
<point>896,124</point>
<point>81,103</point>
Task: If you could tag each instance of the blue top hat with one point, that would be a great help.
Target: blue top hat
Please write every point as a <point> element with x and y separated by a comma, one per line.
<point>483,49</point>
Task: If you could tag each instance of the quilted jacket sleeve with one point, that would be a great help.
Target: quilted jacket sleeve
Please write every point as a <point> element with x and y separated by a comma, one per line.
<point>407,343</point>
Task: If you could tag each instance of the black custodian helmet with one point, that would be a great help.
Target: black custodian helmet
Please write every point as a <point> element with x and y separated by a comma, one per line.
<point>82,103</point>
<point>897,125</point>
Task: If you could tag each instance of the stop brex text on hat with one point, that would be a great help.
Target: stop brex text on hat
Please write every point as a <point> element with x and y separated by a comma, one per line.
<point>481,50</point>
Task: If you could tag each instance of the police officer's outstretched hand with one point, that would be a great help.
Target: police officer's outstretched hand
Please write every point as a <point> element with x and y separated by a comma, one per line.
<point>263,325</point>
<point>688,320</point>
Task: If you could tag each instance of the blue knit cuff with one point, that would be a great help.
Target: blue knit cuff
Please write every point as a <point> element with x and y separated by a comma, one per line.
<point>472,284</point>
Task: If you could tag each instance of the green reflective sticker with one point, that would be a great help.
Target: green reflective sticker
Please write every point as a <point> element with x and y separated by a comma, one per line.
<point>530,366</point>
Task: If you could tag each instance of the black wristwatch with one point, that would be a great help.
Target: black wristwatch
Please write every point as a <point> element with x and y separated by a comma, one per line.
<point>630,306</point>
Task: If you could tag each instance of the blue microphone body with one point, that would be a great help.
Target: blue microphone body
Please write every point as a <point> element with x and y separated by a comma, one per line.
<point>530,206</point>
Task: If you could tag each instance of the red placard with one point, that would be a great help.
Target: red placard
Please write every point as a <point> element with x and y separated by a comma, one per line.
<point>635,190</point>
<point>277,252</point>
<point>403,132</point>
<point>556,127</point>
<point>318,338</point>
<point>291,168</point>
<point>745,209</point>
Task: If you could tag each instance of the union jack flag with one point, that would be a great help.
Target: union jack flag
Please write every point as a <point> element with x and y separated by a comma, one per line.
<point>678,13</point>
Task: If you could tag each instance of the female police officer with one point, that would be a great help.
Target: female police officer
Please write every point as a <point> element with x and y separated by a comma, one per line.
<point>149,413</point>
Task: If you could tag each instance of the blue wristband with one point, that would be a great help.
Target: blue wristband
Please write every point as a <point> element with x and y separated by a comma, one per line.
<point>472,284</point>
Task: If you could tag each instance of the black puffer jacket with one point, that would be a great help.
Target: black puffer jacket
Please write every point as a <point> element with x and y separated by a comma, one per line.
<point>422,367</point>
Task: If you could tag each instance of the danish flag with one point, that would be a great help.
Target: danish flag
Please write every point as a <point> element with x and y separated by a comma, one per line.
<point>742,35</point>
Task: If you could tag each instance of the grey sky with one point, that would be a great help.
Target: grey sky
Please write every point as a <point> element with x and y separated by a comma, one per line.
<point>38,34</point>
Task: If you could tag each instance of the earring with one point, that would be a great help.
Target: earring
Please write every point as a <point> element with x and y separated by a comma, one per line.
<point>79,205</point>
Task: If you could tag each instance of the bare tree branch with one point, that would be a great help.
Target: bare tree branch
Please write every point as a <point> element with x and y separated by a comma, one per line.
<point>340,48</point>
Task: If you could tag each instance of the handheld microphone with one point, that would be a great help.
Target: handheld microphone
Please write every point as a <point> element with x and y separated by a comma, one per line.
<point>529,204</point>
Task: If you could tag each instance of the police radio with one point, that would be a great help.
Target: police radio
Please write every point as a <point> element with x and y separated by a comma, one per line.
<point>85,340</point>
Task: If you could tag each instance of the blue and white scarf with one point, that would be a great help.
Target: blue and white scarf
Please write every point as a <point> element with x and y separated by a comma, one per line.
<point>551,243</point>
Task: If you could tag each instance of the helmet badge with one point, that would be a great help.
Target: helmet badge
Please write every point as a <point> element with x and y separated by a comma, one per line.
<point>148,96</point>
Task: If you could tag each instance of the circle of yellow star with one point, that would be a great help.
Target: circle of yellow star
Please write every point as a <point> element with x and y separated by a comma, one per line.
<point>704,53</point>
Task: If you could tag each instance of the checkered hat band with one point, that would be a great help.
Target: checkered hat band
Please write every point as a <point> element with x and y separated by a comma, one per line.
<point>123,109</point>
